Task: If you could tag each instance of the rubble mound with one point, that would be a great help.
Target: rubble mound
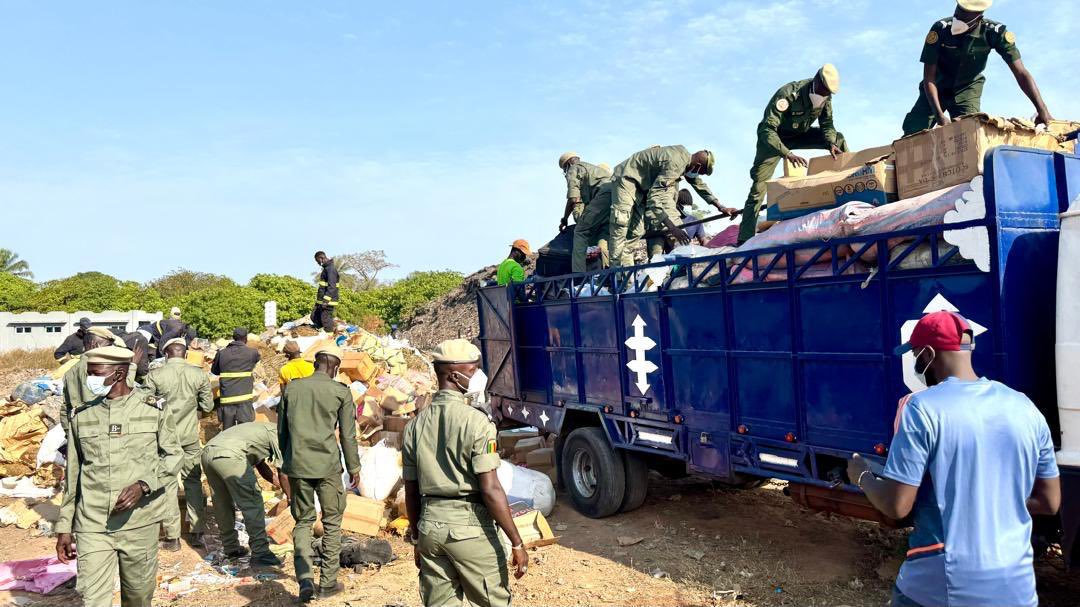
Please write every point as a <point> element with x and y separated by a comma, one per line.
<point>450,316</point>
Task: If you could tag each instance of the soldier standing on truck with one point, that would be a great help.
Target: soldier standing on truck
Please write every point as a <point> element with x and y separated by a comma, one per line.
<point>588,195</point>
<point>454,501</point>
<point>789,124</point>
<point>644,187</point>
<point>326,298</point>
<point>971,460</point>
<point>954,57</point>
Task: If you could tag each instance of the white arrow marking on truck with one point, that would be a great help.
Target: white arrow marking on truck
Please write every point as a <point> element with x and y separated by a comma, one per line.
<point>544,418</point>
<point>524,413</point>
<point>640,344</point>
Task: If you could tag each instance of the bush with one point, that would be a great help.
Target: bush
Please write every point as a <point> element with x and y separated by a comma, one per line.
<point>216,311</point>
<point>15,293</point>
<point>181,283</point>
<point>95,292</point>
<point>398,301</point>
<point>294,297</point>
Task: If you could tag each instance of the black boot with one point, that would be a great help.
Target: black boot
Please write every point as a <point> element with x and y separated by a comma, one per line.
<point>307,591</point>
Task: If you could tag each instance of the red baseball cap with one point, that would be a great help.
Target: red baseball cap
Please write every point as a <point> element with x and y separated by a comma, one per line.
<point>942,331</point>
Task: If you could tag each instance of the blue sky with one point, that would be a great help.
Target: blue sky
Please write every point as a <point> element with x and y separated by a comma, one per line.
<point>239,137</point>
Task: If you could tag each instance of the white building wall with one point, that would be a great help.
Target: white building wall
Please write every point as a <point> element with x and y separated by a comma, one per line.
<point>36,330</point>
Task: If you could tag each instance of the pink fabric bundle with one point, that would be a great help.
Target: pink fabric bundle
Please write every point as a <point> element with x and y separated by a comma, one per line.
<point>727,238</point>
<point>920,211</point>
<point>41,575</point>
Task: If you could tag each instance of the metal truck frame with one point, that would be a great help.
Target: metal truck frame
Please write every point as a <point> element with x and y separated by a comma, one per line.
<point>775,374</point>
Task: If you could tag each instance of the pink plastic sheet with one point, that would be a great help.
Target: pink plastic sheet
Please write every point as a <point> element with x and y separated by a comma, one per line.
<point>727,238</point>
<point>815,227</point>
<point>41,575</point>
<point>920,211</point>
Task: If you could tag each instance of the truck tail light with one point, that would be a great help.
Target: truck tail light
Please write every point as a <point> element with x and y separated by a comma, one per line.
<point>790,437</point>
<point>880,449</point>
<point>742,429</point>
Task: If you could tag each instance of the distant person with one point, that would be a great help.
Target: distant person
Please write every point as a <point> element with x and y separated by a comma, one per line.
<point>454,501</point>
<point>787,125</point>
<point>326,297</point>
<point>971,460</point>
<point>954,57</point>
<point>316,413</point>
<point>76,392</point>
<point>73,344</point>
<point>235,367</point>
<point>186,390</point>
<point>685,204</point>
<point>512,269</point>
<point>296,367</point>
<point>174,313</point>
<point>136,342</point>
<point>161,331</point>
<point>229,460</point>
<point>122,452</point>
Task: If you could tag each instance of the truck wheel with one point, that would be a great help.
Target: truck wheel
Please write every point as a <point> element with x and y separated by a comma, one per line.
<point>593,473</point>
<point>637,481</point>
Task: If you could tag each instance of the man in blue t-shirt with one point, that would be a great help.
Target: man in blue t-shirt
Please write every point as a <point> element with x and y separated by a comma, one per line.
<point>971,460</point>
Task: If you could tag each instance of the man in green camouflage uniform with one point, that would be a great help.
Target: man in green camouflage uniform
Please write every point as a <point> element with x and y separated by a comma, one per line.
<point>454,501</point>
<point>644,187</point>
<point>788,124</point>
<point>122,451</point>
<point>954,57</point>
<point>186,390</point>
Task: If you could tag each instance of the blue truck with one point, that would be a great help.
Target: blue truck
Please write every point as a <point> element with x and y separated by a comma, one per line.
<point>745,379</point>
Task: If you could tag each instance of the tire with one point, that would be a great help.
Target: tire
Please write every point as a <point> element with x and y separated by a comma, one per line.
<point>594,475</point>
<point>637,481</point>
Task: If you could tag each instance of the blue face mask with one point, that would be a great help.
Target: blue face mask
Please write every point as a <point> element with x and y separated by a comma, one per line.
<point>692,175</point>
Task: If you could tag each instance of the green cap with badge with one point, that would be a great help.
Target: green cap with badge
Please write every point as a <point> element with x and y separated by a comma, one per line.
<point>109,355</point>
<point>456,351</point>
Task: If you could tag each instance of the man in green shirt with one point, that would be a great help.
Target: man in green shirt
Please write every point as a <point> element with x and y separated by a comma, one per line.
<point>788,124</point>
<point>454,501</point>
<point>229,459</point>
<point>512,268</point>
<point>644,188</point>
<point>313,411</point>
<point>122,452</point>
<point>186,390</point>
<point>954,56</point>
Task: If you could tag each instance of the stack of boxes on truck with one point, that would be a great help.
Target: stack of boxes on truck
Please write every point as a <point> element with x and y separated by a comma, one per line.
<point>928,178</point>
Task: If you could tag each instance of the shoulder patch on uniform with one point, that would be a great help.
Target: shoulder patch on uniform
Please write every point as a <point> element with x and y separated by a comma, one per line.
<point>155,402</point>
<point>492,447</point>
<point>932,37</point>
<point>1010,37</point>
<point>782,105</point>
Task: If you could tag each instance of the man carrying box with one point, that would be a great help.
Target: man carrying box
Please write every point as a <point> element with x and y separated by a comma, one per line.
<point>788,124</point>
<point>954,57</point>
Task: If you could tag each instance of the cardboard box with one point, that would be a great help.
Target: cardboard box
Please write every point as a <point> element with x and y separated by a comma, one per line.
<point>526,446</point>
<point>508,439</point>
<point>359,367</point>
<point>953,154</point>
<point>280,528</point>
<point>394,423</point>
<point>857,178</point>
<point>362,515</point>
<point>532,526</point>
<point>545,456</point>
<point>848,160</point>
<point>393,439</point>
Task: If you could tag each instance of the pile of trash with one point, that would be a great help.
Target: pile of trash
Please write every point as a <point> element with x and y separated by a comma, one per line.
<point>451,316</point>
<point>31,438</point>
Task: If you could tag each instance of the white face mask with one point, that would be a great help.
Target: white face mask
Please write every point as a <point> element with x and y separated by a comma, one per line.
<point>96,385</point>
<point>692,175</point>
<point>477,389</point>
<point>960,27</point>
<point>922,376</point>
<point>817,100</point>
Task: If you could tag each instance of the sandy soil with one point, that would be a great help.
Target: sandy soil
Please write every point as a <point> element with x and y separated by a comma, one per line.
<point>691,544</point>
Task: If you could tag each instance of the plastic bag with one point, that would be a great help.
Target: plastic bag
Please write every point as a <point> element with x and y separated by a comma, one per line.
<point>49,451</point>
<point>380,471</point>
<point>31,392</point>
<point>529,486</point>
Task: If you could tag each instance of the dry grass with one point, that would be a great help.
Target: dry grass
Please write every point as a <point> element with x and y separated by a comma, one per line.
<point>21,360</point>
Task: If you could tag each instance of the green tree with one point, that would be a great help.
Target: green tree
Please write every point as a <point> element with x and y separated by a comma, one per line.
<point>95,292</point>
<point>398,301</point>
<point>11,264</point>
<point>294,297</point>
<point>15,293</point>
<point>181,282</point>
<point>216,311</point>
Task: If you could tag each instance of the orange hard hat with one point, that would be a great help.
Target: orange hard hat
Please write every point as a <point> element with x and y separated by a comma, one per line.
<point>522,245</point>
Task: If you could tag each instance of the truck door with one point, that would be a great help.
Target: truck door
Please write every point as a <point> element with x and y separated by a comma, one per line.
<point>497,341</point>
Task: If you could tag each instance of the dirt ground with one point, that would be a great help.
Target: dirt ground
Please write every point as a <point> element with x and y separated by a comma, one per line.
<point>692,543</point>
